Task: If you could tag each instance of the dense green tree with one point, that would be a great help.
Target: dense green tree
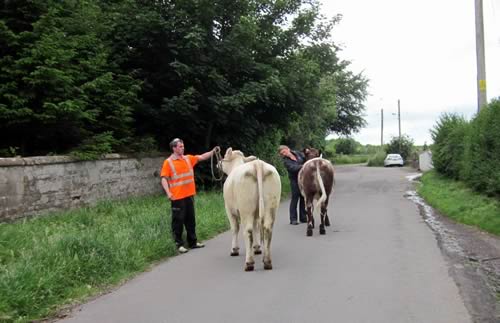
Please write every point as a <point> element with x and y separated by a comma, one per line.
<point>346,146</point>
<point>58,86</point>
<point>480,162</point>
<point>447,151</point>
<point>402,146</point>
<point>351,94</point>
<point>120,74</point>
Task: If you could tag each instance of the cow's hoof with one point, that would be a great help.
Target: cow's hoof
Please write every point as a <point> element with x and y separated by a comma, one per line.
<point>327,221</point>
<point>268,266</point>
<point>257,252</point>
<point>309,232</point>
<point>322,231</point>
<point>249,267</point>
<point>235,253</point>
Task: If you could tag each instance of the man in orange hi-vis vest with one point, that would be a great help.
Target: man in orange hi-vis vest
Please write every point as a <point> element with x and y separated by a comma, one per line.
<point>177,179</point>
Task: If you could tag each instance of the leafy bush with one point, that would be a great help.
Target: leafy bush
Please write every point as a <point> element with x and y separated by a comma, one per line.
<point>95,147</point>
<point>351,159</point>
<point>266,148</point>
<point>346,146</point>
<point>9,152</point>
<point>403,146</point>
<point>481,165</point>
<point>448,136</point>
<point>377,159</point>
<point>145,144</point>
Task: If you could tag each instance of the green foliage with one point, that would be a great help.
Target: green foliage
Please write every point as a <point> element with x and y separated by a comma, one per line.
<point>335,150</point>
<point>351,94</point>
<point>481,166</point>
<point>346,146</point>
<point>377,159</point>
<point>94,147</point>
<point>470,151</point>
<point>144,144</point>
<point>459,202</point>
<point>213,72</point>
<point>403,146</point>
<point>9,152</point>
<point>448,149</point>
<point>266,149</point>
<point>351,159</point>
<point>58,85</point>
<point>368,149</point>
<point>67,257</point>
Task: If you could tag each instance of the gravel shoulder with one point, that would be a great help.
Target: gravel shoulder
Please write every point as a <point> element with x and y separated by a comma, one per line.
<point>474,259</point>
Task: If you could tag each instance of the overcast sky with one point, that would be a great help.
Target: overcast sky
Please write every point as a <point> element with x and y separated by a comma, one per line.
<point>420,52</point>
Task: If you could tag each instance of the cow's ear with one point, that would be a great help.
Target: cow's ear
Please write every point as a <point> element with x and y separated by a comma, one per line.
<point>229,151</point>
<point>249,159</point>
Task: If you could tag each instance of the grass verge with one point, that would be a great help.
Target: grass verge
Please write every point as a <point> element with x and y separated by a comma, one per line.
<point>460,203</point>
<point>350,159</point>
<point>285,187</point>
<point>65,257</point>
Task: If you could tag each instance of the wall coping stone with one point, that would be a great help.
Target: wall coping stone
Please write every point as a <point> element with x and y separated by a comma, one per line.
<point>45,160</point>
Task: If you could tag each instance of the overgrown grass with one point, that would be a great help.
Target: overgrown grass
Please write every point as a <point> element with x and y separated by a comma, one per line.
<point>377,159</point>
<point>65,257</point>
<point>460,203</point>
<point>350,159</point>
<point>285,187</point>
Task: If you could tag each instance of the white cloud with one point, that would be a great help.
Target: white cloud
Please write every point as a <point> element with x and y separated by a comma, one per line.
<point>422,53</point>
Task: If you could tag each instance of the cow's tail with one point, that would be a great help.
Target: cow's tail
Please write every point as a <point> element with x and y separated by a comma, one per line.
<point>322,199</point>
<point>259,170</point>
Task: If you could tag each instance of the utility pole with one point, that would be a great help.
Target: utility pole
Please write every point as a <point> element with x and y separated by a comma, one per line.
<point>481,69</point>
<point>399,121</point>
<point>381,128</point>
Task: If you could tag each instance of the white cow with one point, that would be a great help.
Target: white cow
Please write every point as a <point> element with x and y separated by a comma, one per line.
<point>252,194</point>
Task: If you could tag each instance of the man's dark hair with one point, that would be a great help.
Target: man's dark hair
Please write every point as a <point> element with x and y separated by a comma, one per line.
<point>174,143</point>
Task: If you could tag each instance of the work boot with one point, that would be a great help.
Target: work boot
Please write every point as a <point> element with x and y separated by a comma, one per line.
<point>198,245</point>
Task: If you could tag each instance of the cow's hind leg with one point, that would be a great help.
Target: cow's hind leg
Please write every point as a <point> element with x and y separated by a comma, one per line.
<point>235,229</point>
<point>324,217</point>
<point>327,220</point>
<point>310,219</point>
<point>257,237</point>
<point>248,233</point>
<point>267,231</point>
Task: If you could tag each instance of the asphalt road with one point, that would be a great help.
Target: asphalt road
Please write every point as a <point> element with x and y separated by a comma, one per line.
<point>379,262</point>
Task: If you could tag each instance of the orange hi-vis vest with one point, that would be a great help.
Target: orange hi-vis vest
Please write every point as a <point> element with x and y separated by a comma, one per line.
<point>180,175</point>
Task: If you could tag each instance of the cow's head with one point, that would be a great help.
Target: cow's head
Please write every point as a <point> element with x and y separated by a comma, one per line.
<point>233,159</point>
<point>311,153</point>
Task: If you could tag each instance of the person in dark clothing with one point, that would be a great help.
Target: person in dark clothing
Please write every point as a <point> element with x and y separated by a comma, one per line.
<point>293,161</point>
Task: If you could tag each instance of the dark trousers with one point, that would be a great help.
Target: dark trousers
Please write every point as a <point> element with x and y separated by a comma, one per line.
<point>297,198</point>
<point>183,216</point>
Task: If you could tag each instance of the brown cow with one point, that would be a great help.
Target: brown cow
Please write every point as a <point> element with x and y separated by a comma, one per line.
<point>316,181</point>
<point>311,153</point>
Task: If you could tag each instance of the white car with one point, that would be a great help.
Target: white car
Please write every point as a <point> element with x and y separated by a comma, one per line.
<point>393,160</point>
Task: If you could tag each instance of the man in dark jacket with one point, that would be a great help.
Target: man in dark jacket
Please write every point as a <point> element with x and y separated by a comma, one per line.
<point>293,161</point>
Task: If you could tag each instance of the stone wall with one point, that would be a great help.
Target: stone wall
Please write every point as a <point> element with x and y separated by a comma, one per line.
<point>34,185</point>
